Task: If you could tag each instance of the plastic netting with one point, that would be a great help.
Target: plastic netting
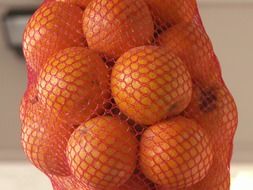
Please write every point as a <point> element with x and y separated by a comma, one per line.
<point>125,95</point>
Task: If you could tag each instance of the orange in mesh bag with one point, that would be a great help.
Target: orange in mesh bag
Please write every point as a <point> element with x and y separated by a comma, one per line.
<point>96,155</point>
<point>112,27</point>
<point>44,138</point>
<point>213,108</point>
<point>73,84</point>
<point>176,153</point>
<point>80,3</point>
<point>125,95</point>
<point>54,26</point>
<point>149,84</point>
<point>172,11</point>
<point>192,45</point>
<point>70,183</point>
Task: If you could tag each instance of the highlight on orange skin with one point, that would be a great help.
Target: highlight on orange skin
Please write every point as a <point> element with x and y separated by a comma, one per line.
<point>96,155</point>
<point>53,27</point>
<point>176,153</point>
<point>150,83</point>
<point>112,27</point>
<point>74,84</point>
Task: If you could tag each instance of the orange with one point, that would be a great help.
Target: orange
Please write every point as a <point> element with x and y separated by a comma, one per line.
<point>190,42</point>
<point>218,177</point>
<point>74,84</point>
<point>31,74</point>
<point>22,108</point>
<point>103,152</point>
<point>71,183</point>
<point>176,153</point>
<point>214,108</point>
<point>172,11</point>
<point>44,140</point>
<point>53,27</point>
<point>112,27</point>
<point>30,97</point>
<point>177,38</point>
<point>136,182</point>
<point>68,183</point>
<point>80,3</point>
<point>149,83</point>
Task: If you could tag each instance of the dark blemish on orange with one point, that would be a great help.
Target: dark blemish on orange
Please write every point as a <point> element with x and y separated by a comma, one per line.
<point>208,100</point>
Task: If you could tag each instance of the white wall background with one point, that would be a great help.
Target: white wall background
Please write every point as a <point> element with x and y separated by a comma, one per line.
<point>229,24</point>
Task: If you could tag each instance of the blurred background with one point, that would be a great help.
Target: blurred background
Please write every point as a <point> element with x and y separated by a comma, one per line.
<point>229,25</point>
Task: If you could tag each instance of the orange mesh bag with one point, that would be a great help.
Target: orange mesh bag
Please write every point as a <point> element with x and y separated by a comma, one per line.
<point>125,95</point>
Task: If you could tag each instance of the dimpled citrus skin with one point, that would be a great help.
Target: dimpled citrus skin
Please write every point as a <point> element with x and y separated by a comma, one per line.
<point>80,3</point>
<point>73,84</point>
<point>172,11</point>
<point>148,84</point>
<point>190,42</point>
<point>53,27</point>
<point>176,153</point>
<point>114,26</point>
<point>103,152</point>
<point>44,139</point>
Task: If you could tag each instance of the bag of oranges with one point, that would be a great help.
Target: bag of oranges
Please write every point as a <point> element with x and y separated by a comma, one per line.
<point>125,95</point>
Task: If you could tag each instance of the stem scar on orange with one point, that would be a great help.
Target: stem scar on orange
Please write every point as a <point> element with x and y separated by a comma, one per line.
<point>74,84</point>
<point>112,27</point>
<point>149,84</point>
<point>53,27</point>
<point>176,153</point>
